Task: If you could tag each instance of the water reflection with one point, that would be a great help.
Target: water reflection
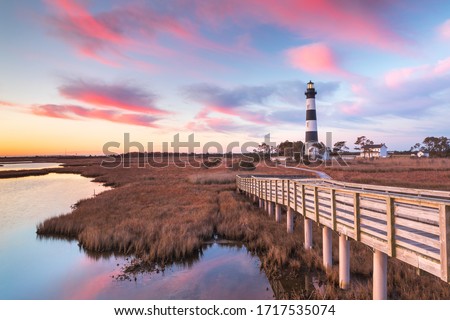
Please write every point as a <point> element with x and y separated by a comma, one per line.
<point>27,165</point>
<point>220,272</point>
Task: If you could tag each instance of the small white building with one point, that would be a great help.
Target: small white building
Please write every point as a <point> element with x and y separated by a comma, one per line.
<point>420,154</point>
<point>374,151</point>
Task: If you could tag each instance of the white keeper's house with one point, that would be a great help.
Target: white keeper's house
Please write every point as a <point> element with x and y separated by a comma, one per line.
<point>374,151</point>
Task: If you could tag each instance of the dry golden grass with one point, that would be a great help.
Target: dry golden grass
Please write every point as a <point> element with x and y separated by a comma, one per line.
<point>165,214</point>
<point>156,213</point>
<point>212,177</point>
<point>432,173</point>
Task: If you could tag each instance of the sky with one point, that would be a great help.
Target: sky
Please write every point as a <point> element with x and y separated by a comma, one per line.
<point>78,74</point>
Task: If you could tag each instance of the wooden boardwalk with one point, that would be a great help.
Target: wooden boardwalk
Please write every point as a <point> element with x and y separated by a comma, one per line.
<point>412,225</point>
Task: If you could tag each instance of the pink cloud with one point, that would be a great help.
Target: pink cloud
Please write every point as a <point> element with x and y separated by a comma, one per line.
<point>94,55</point>
<point>444,30</point>
<point>139,27</point>
<point>314,58</point>
<point>350,108</point>
<point>205,120</point>
<point>410,92</point>
<point>442,67</point>
<point>245,102</point>
<point>398,77</point>
<point>150,23</point>
<point>8,103</point>
<point>53,111</point>
<point>343,21</point>
<point>80,21</point>
<point>136,27</point>
<point>103,37</point>
<point>120,96</point>
<point>92,36</point>
<point>111,102</point>
<point>76,112</point>
<point>255,117</point>
<point>358,88</point>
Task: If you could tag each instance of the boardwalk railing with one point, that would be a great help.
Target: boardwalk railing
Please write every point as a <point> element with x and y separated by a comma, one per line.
<point>411,225</point>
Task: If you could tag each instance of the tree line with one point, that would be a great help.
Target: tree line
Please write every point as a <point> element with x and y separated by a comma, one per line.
<point>435,146</point>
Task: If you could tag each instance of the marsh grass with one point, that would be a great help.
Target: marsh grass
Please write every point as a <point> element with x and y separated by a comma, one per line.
<point>165,215</point>
<point>213,177</point>
<point>431,173</point>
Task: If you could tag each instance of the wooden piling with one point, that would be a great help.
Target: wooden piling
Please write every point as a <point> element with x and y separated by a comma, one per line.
<point>271,208</point>
<point>344,262</point>
<point>327,248</point>
<point>308,234</point>
<point>278,213</point>
<point>379,275</point>
<point>290,220</point>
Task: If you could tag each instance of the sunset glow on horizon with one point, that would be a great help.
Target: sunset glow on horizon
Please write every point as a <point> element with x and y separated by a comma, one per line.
<point>76,74</point>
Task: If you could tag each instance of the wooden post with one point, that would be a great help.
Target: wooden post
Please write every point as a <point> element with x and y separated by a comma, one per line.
<point>357,219</point>
<point>254,190</point>
<point>271,208</point>
<point>265,195</point>
<point>379,275</point>
<point>290,220</point>
<point>260,200</point>
<point>333,209</point>
<point>327,248</point>
<point>295,196</point>
<point>276,191</point>
<point>316,204</point>
<point>344,262</point>
<point>444,226</point>
<point>282,191</point>
<point>265,189</point>
<point>308,234</point>
<point>278,213</point>
<point>270,190</point>
<point>303,201</point>
<point>390,219</point>
<point>260,188</point>
<point>288,193</point>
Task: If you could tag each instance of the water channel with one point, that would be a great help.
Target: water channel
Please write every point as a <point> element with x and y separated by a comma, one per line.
<point>44,268</point>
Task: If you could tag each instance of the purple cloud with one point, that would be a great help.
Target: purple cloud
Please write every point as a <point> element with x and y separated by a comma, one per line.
<point>255,104</point>
<point>120,96</point>
<point>76,112</point>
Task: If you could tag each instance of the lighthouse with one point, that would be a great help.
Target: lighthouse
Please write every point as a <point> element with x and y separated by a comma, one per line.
<point>311,137</point>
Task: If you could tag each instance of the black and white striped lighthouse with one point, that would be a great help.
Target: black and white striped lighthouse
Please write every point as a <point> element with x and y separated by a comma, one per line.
<point>311,136</point>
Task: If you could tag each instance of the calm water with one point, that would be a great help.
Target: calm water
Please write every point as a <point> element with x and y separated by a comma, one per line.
<point>31,268</point>
<point>27,165</point>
